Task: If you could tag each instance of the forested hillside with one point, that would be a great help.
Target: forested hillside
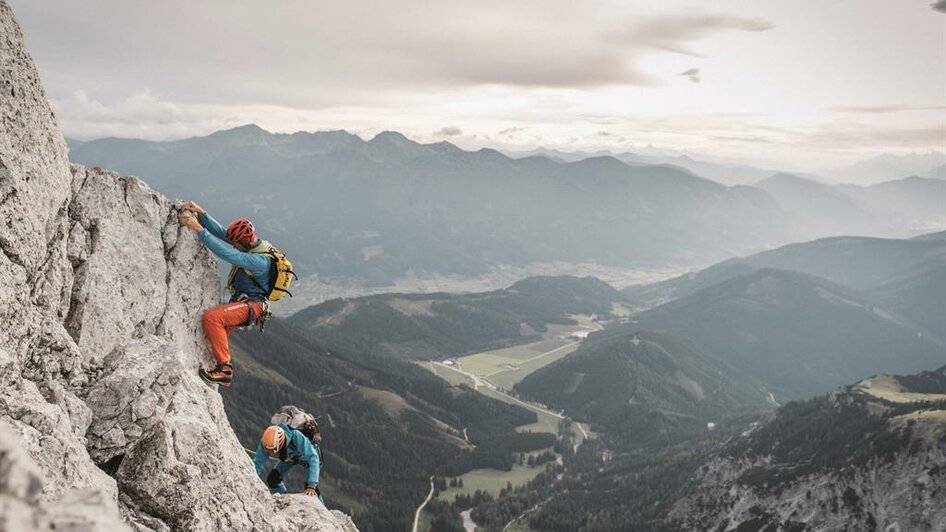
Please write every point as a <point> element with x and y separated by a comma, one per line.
<point>798,334</point>
<point>387,425</point>
<point>868,455</point>
<point>642,387</point>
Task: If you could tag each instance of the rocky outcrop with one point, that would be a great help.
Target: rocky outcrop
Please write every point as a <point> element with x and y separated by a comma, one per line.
<point>897,496</point>
<point>869,457</point>
<point>101,411</point>
<point>21,496</point>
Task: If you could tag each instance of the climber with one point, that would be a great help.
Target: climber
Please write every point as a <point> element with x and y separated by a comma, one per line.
<point>290,448</point>
<point>251,271</point>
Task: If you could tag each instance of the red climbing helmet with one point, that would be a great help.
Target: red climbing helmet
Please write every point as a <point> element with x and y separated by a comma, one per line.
<point>241,231</point>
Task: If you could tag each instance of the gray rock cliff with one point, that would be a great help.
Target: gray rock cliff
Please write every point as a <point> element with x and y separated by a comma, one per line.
<point>104,424</point>
<point>897,496</point>
<point>881,470</point>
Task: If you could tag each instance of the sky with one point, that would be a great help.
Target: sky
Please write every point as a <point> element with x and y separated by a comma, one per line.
<point>801,84</point>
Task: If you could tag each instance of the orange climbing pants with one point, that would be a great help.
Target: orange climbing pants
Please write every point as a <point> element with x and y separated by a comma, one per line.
<point>220,321</point>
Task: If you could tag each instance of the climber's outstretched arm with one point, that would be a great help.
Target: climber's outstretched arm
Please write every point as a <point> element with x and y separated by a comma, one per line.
<point>254,262</point>
<point>207,221</point>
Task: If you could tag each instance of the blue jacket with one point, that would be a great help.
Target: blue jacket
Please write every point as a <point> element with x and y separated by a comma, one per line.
<point>214,236</point>
<point>298,450</point>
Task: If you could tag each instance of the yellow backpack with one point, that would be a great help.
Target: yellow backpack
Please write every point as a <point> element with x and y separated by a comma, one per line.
<point>280,271</point>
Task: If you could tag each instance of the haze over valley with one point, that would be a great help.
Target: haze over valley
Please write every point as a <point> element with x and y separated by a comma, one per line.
<point>365,216</point>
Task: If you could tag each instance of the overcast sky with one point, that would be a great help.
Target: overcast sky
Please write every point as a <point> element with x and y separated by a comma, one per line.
<point>800,84</point>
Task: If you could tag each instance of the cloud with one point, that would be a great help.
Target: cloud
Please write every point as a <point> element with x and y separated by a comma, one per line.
<point>319,55</point>
<point>857,135</point>
<point>511,130</point>
<point>449,131</point>
<point>524,47</point>
<point>604,134</point>
<point>140,115</point>
<point>692,74</point>
<point>737,138</point>
<point>144,115</point>
<point>674,33</point>
<point>939,5</point>
<point>884,109</point>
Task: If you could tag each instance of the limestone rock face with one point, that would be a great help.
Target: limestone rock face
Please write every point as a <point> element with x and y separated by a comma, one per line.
<point>896,496</point>
<point>101,411</point>
<point>21,496</point>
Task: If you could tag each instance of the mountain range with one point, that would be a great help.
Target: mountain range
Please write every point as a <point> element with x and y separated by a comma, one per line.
<point>904,276</point>
<point>799,334</point>
<point>389,207</point>
<point>888,167</point>
<point>382,208</point>
<point>729,174</point>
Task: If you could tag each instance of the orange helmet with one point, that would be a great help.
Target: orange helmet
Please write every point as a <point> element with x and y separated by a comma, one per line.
<point>241,231</point>
<point>273,439</point>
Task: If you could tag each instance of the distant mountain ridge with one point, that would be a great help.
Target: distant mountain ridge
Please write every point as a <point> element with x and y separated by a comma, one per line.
<point>890,167</point>
<point>389,207</point>
<point>799,334</point>
<point>905,276</point>
<point>729,174</point>
<point>818,205</point>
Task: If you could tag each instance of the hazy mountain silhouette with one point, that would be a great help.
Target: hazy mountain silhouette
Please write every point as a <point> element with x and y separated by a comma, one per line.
<point>727,174</point>
<point>862,263</point>
<point>937,173</point>
<point>888,167</point>
<point>817,206</point>
<point>378,209</point>
<point>387,207</point>
<point>917,203</point>
<point>799,334</point>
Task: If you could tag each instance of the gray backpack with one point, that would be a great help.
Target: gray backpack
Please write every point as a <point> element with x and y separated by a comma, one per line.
<point>296,418</point>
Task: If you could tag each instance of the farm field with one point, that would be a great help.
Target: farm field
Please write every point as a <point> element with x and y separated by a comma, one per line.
<point>491,480</point>
<point>508,378</point>
<point>547,420</point>
<point>503,368</point>
<point>493,362</point>
<point>452,376</point>
<point>506,367</point>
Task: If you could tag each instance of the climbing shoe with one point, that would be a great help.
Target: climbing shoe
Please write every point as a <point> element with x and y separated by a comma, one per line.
<point>222,374</point>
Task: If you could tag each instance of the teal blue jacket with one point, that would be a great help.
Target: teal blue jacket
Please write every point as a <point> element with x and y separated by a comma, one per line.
<point>214,236</point>
<point>298,450</point>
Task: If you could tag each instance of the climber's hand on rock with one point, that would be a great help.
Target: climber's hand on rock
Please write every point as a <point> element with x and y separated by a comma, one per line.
<point>192,207</point>
<point>188,221</point>
<point>310,491</point>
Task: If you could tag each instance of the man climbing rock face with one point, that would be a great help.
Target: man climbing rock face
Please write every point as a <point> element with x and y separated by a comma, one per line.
<point>290,448</point>
<point>251,273</point>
